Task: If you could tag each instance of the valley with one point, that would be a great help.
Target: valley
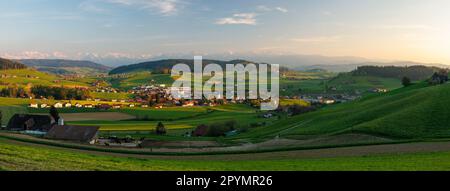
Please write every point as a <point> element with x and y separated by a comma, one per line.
<point>375,121</point>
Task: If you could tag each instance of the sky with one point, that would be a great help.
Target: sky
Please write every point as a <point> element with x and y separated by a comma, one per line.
<point>414,30</point>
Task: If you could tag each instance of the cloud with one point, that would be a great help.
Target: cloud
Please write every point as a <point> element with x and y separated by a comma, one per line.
<point>319,39</point>
<point>31,54</point>
<point>165,7</point>
<point>281,9</point>
<point>238,19</point>
<point>89,6</point>
<point>270,9</point>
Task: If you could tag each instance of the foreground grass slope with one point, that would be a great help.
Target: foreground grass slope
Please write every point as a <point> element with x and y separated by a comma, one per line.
<point>418,111</point>
<point>24,157</point>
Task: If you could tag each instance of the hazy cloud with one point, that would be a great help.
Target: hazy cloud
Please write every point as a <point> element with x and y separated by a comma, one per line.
<point>268,9</point>
<point>89,6</point>
<point>319,39</point>
<point>238,19</point>
<point>165,7</point>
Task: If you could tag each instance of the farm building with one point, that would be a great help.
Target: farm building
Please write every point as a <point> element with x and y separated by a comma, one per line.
<point>85,134</point>
<point>68,105</point>
<point>439,77</point>
<point>23,122</point>
<point>44,105</point>
<point>117,106</point>
<point>34,105</point>
<point>104,107</point>
<point>58,105</point>
<point>88,106</point>
<point>77,105</point>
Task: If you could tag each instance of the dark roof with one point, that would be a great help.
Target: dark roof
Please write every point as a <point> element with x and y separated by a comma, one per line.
<point>73,133</point>
<point>23,122</point>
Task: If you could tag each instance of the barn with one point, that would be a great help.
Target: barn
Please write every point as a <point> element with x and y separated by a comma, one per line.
<point>84,134</point>
<point>24,122</point>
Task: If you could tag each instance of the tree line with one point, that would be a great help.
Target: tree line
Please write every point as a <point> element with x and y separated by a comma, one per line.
<point>59,93</point>
<point>8,65</point>
<point>412,72</point>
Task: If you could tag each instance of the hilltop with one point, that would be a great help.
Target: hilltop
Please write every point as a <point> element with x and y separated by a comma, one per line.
<point>415,72</point>
<point>415,112</point>
<point>6,64</point>
<point>164,66</point>
<point>64,67</point>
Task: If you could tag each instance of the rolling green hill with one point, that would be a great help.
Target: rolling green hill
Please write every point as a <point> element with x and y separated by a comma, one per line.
<point>347,82</point>
<point>28,76</point>
<point>164,66</point>
<point>64,67</point>
<point>418,111</point>
<point>140,78</point>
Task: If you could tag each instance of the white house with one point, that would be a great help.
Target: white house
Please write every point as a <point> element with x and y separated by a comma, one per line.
<point>68,105</point>
<point>34,105</point>
<point>131,105</point>
<point>44,105</point>
<point>58,105</point>
<point>88,106</point>
<point>78,105</point>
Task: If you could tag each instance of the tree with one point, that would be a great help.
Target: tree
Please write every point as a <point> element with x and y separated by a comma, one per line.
<point>406,81</point>
<point>54,113</point>
<point>160,129</point>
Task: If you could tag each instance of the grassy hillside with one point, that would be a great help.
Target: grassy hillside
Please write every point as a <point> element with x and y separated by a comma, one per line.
<point>346,82</point>
<point>419,111</point>
<point>23,77</point>
<point>140,78</point>
<point>26,157</point>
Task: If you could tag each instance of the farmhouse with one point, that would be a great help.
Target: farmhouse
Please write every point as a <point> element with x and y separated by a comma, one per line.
<point>58,105</point>
<point>34,105</point>
<point>77,105</point>
<point>84,134</point>
<point>439,77</point>
<point>104,107</point>
<point>68,105</point>
<point>23,122</point>
<point>188,104</point>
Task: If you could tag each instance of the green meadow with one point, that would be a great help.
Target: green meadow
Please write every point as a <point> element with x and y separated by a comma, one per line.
<point>24,157</point>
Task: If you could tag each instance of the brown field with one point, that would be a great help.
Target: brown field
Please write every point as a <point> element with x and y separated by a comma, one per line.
<point>99,116</point>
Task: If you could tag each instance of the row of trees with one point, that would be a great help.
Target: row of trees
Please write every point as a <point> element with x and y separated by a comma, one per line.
<point>14,92</point>
<point>60,93</point>
<point>8,64</point>
<point>413,73</point>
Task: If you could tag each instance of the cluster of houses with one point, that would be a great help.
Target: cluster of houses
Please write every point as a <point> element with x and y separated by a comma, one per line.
<point>104,106</point>
<point>7,76</point>
<point>329,99</point>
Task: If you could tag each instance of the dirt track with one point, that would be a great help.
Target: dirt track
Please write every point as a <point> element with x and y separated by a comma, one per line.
<point>103,116</point>
<point>406,148</point>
